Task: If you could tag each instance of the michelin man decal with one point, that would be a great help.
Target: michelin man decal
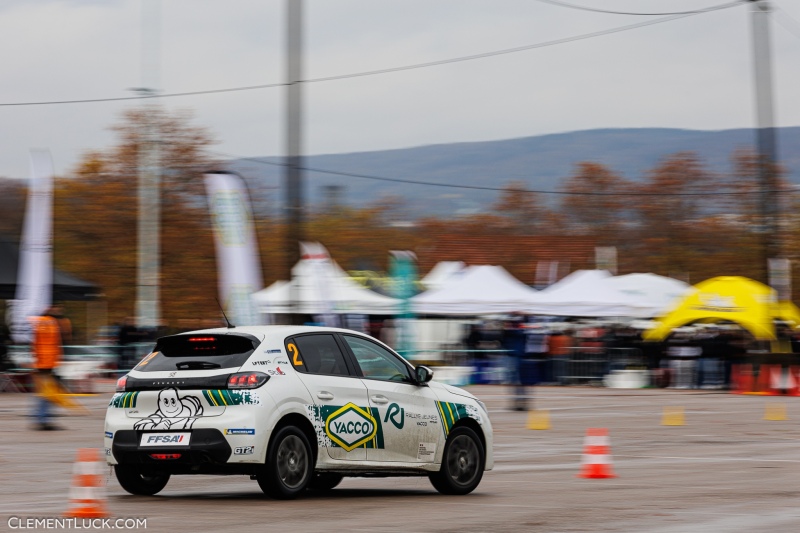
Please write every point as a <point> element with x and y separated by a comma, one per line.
<point>174,412</point>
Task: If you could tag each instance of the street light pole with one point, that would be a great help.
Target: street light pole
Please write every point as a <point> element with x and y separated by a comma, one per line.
<point>148,257</point>
<point>765,137</point>
<point>294,147</point>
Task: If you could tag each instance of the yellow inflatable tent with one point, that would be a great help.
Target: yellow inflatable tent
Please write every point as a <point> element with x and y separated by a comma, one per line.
<point>747,302</point>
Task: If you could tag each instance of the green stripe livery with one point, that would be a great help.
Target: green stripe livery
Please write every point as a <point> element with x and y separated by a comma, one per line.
<point>450,413</point>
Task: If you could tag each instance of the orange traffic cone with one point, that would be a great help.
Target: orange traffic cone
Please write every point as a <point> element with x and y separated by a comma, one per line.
<point>596,456</point>
<point>87,495</point>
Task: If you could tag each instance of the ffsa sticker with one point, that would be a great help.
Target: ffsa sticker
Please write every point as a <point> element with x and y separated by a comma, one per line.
<point>427,451</point>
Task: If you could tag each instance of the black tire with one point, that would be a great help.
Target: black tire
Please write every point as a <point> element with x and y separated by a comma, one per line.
<point>290,465</point>
<point>324,481</point>
<point>133,481</point>
<point>463,462</point>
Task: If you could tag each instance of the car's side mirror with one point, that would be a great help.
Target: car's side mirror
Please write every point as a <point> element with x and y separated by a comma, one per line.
<point>423,374</point>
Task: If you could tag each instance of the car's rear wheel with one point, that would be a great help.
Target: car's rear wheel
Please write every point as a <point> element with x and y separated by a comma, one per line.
<point>135,482</point>
<point>324,481</point>
<point>463,461</point>
<point>289,465</point>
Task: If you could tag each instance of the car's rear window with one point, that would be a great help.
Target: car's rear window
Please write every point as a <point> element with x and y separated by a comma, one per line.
<point>199,352</point>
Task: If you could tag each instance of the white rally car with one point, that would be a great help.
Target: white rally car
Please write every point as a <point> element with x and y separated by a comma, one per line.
<point>293,407</point>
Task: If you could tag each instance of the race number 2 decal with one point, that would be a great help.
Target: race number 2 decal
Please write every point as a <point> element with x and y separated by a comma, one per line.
<point>295,354</point>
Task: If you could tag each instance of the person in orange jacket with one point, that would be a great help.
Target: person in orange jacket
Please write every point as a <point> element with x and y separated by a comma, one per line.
<point>47,351</point>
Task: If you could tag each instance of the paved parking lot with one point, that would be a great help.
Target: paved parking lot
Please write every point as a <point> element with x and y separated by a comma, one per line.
<point>727,469</point>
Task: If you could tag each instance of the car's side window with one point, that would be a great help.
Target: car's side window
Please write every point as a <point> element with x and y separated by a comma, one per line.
<point>316,354</point>
<point>377,362</point>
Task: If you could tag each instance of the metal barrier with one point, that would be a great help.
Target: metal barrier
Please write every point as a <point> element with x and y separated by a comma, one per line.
<point>592,364</point>
<point>581,366</point>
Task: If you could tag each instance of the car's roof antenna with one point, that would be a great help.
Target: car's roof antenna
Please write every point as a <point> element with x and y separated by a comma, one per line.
<point>230,326</point>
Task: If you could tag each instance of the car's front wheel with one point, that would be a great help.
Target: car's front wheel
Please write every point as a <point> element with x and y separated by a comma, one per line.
<point>463,461</point>
<point>140,484</point>
<point>289,465</point>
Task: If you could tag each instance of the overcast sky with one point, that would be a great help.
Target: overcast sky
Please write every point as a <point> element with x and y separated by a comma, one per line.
<point>693,73</point>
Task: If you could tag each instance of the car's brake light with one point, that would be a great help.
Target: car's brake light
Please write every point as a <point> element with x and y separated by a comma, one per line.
<point>121,383</point>
<point>165,456</point>
<point>247,380</point>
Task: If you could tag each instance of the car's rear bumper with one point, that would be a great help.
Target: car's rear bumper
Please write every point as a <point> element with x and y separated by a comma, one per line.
<point>208,452</point>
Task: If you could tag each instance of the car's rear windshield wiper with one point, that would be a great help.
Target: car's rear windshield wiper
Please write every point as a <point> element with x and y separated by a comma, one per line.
<point>196,365</point>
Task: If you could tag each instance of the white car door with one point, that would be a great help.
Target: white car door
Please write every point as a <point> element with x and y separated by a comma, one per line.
<point>407,412</point>
<point>341,415</point>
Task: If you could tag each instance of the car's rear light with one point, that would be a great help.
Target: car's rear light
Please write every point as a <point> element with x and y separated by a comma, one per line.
<point>165,456</point>
<point>121,383</point>
<point>247,380</point>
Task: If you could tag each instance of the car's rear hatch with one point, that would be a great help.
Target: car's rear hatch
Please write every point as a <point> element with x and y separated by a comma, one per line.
<point>186,376</point>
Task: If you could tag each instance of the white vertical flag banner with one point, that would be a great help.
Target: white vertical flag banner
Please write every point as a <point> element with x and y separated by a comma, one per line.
<point>238,261</point>
<point>35,269</point>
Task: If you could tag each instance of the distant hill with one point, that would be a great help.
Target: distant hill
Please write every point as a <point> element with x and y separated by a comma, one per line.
<point>542,162</point>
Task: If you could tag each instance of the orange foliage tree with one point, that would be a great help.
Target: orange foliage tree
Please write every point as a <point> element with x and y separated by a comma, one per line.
<point>96,218</point>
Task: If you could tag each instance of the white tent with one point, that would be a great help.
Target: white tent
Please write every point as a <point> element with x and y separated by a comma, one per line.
<point>479,290</point>
<point>341,294</point>
<point>658,294</point>
<point>587,293</point>
<point>441,273</point>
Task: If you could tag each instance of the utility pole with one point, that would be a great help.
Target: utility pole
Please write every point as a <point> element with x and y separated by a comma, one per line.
<point>765,137</point>
<point>148,258</point>
<point>294,145</point>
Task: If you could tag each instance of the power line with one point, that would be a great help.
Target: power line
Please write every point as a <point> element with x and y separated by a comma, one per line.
<point>484,188</point>
<point>594,10</point>
<point>378,71</point>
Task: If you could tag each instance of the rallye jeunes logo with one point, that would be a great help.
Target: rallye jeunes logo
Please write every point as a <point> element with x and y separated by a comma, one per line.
<point>351,426</point>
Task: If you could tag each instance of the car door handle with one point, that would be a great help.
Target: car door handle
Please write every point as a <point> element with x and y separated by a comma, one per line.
<point>324,395</point>
<point>379,399</point>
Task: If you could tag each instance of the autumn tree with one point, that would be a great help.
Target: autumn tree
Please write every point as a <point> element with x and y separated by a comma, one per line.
<point>593,203</point>
<point>676,210</point>
<point>520,211</point>
<point>96,217</point>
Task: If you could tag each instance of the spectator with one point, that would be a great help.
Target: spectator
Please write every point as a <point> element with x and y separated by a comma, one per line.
<point>683,353</point>
<point>128,335</point>
<point>5,339</point>
<point>48,349</point>
<point>388,334</point>
<point>478,360</point>
<point>514,343</point>
<point>536,345</point>
<point>558,347</point>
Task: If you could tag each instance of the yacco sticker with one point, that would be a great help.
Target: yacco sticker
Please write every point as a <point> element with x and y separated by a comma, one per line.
<point>351,426</point>
<point>124,399</point>
<point>231,397</point>
<point>321,414</point>
<point>277,350</point>
<point>240,431</point>
<point>452,412</point>
<point>109,435</point>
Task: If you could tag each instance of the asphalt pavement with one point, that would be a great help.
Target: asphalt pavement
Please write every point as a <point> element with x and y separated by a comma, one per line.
<point>726,469</point>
